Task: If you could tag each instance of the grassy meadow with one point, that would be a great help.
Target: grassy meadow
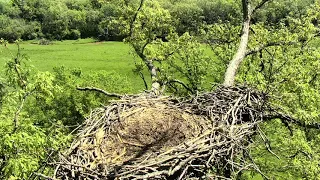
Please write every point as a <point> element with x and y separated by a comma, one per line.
<point>86,54</point>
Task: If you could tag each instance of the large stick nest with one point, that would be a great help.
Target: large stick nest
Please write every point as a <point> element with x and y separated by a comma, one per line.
<point>145,137</point>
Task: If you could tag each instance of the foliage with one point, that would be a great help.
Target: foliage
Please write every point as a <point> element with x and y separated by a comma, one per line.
<point>220,11</point>
<point>222,39</point>
<point>289,71</point>
<point>188,69</point>
<point>44,41</point>
<point>17,28</point>
<point>72,19</point>
<point>40,109</point>
<point>171,59</point>
<point>24,143</point>
<point>276,11</point>
<point>189,17</point>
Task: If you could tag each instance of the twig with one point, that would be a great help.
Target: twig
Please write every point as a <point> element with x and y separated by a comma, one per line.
<point>144,79</point>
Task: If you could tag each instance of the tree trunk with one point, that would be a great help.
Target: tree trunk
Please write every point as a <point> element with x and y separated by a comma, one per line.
<point>241,52</point>
<point>155,85</point>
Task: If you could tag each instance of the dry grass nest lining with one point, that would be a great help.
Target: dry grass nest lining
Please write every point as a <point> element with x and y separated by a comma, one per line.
<point>146,137</point>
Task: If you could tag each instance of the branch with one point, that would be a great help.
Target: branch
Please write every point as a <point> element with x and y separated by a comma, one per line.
<point>135,17</point>
<point>302,152</point>
<point>181,83</point>
<point>144,80</point>
<point>314,78</point>
<point>19,109</point>
<point>266,142</point>
<point>262,3</point>
<point>234,64</point>
<point>100,91</point>
<point>270,44</point>
<point>44,164</point>
<point>293,121</point>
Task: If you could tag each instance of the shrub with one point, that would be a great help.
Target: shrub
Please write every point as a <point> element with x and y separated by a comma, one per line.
<point>44,41</point>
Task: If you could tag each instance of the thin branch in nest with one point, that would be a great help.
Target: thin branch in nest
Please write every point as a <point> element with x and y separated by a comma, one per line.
<point>100,91</point>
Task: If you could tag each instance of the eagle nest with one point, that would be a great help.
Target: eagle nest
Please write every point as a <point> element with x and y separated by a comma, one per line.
<point>146,137</point>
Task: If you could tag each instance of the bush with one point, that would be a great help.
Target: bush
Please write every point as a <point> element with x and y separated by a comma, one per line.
<point>32,30</point>
<point>189,17</point>
<point>44,41</point>
<point>220,10</point>
<point>13,29</point>
<point>74,34</point>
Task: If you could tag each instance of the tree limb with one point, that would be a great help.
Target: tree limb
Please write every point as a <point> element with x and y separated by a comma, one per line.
<point>100,91</point>
<point>19,109</point>
<point>181,83</point>
<point>289,119</point>
<point>144,80</point>
<point>270,44</point>
<point>135,17</point>
<point>262,3</point>
<point>241,52</point>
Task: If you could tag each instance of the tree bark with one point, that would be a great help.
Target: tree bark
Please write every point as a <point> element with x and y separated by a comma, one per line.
<point>155,85</point>
<point>241,52</point>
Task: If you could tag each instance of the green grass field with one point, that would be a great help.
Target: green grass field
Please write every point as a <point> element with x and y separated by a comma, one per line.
<point>85,54</point>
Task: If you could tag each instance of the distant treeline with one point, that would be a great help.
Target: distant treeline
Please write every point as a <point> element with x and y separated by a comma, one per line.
<point>73,19</point>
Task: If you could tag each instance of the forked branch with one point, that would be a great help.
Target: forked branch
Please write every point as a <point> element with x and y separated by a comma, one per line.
<point>242,49</point>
